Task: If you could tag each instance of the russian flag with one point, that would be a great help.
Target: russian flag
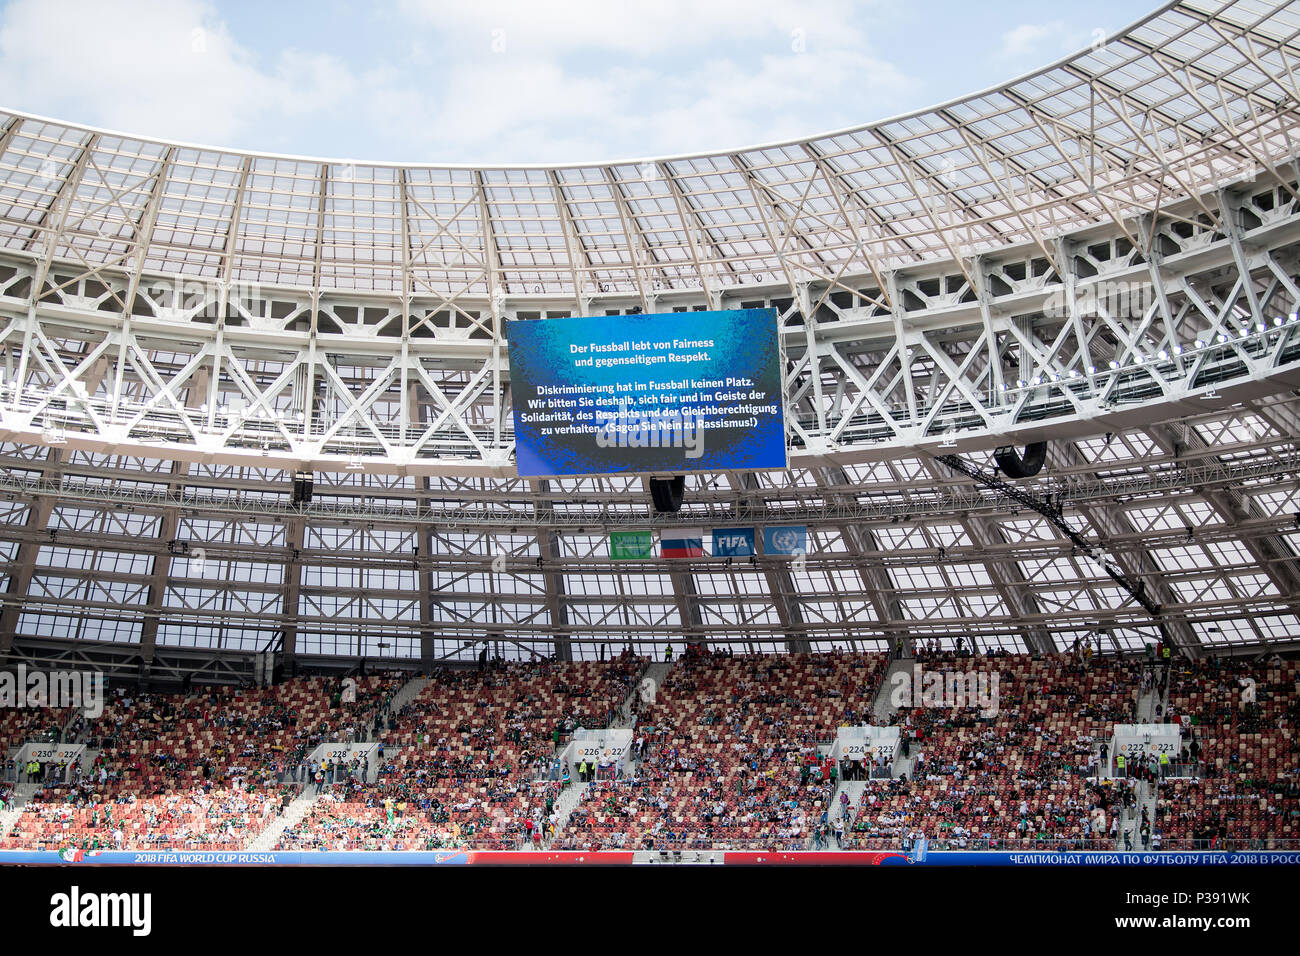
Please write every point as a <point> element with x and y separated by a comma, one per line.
<point>682,544</point>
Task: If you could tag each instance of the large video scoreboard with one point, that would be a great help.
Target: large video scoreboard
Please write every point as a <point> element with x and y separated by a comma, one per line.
<point>662,394</point>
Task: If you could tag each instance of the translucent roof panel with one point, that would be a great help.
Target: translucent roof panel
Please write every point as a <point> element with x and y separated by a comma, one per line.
<point>1188,98</point>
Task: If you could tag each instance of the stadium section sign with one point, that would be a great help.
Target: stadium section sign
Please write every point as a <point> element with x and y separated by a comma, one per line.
<point>652,394</point>
<point>1146,740</point>
<point>865,743</point>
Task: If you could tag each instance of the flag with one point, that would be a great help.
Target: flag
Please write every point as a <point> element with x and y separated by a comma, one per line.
<point>681,543</point>
<point>785,539</point>
<point>733,542</point>
<point>630,545</point>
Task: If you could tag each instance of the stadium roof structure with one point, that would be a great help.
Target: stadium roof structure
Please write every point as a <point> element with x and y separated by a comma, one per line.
<point>1102,254</point>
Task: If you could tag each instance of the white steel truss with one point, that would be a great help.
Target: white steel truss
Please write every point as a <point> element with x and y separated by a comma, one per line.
<point>1104,254</point>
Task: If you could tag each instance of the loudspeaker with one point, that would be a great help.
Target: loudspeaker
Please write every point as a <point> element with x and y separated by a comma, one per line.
<point>1015,465</point>
<point>302,485</point>
<point>666,493</point>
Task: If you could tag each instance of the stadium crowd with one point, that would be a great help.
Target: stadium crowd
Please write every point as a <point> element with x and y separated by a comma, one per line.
<point>731,751</point>
<point>473,756</point>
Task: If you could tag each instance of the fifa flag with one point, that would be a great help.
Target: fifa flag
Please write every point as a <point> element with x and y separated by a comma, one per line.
<point>785,539</point>
<point>733,542</point>
<point>680,543</point>
<point>630,545</point>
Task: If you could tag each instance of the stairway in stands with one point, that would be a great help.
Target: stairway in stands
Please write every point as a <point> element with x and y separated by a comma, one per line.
<point>1147,792</point>
<point>566,804</point>
<point>855,789</point>
<point>293,813</point>
<point>883,711</point>
<point>625,720</point>
<point>882,707</point>
<point>405,694</point>
<point>66,734</point>
<point>624,716</point>
<point>23,792</point>
<point>7,820</point>
<point>644,690</point>
<point>903,764</point>
<point>1128,823</point>
<point>656,674</point>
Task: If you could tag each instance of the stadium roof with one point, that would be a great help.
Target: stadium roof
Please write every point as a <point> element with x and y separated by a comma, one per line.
<point>1193,96</point>
<point>183,326</point>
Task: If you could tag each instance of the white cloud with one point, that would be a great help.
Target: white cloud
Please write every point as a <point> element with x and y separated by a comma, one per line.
<point>1041,42</point>
<point>588,80</point>
<point>167,68</point>
<point>536,109</point>
<point>574,81</point>
<point>508,111</point>
<point>555,27</point>
<point>726,104</point>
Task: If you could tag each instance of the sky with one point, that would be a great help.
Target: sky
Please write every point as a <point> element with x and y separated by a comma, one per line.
<point>519,81</point>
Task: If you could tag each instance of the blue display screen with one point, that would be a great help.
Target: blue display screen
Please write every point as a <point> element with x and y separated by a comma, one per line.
<point>660,394</point>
